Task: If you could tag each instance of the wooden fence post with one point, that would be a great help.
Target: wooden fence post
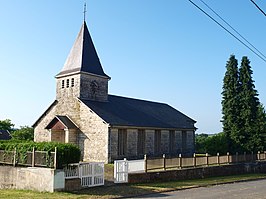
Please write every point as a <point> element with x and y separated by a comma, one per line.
<point>15,153</point>
<point>55,158</point>
<point>164,168</point>
<point>145,163</point>
<point>227,157</point>
<point>207,159</point>
<point>218,158</point>
<point>180,161</point>
<point>33,157</point>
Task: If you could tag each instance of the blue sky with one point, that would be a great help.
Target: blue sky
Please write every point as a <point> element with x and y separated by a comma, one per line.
<point>165,51</point>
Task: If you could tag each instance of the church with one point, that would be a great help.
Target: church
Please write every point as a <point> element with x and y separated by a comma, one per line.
<point>108,127</point>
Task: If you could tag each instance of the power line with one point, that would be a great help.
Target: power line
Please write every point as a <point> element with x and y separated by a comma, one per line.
<point>227,30</point>
<point>233,29</point>
<point>258,7</point>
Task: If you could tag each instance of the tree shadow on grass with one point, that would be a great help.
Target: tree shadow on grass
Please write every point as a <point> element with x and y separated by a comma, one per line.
<point>117,191</point>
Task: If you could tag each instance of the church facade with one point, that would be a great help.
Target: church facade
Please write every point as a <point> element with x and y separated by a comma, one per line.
<point>108,127</point>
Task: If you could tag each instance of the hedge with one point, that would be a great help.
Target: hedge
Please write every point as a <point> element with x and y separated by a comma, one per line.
<point>66,153</point>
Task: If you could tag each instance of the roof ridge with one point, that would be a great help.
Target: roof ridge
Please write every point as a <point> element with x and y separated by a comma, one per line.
<point>143,100</point>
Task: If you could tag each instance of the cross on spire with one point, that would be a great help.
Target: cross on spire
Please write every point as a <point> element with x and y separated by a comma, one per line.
<point>84,11</point>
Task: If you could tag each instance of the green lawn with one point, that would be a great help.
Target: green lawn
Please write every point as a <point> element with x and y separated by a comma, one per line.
<point>127,189</point>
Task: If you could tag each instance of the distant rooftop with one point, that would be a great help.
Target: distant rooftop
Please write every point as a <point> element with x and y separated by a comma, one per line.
<point>5,135</point>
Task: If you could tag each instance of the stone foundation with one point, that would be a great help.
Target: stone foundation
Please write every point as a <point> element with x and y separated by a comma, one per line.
<point>198,173</point>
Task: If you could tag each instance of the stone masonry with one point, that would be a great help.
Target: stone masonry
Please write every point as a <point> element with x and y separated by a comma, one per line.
<point>149,143</point>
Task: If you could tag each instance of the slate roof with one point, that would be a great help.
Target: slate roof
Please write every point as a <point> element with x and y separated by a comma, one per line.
<point>64,120</point>
<point>5,135</point>
<point>122,111</point>
<point>83,56</point>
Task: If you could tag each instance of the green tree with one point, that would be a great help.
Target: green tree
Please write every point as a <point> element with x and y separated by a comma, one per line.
<point>200,142</point>
<point>24,133</point>
<point>211,144</point>
<point>261,126</point>
<point>230,102</point>
<point>217,144</point>
<point>248,136</point>
<point>6,125</point>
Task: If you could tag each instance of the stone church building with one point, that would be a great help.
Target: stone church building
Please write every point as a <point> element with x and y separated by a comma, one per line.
<point>108,127</point>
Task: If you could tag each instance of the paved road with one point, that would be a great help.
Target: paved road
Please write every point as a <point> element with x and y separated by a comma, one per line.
<point>241,190</point>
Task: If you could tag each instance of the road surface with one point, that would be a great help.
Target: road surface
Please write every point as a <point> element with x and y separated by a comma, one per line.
<point>241,190</point>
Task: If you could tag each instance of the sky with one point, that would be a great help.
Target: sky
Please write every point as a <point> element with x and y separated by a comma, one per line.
<point>165,51</point>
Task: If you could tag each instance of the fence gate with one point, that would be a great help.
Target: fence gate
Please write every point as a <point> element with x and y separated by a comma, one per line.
<point>121,171</point>
<point>90,173</point>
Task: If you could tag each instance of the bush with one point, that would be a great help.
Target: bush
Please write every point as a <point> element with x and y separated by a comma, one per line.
<point>66,153</point>
<point>200,143</point>
<point>211,144</point>
<point>24,133</point>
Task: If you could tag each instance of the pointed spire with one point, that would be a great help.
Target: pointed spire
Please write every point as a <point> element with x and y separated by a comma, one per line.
<point>83,56</point>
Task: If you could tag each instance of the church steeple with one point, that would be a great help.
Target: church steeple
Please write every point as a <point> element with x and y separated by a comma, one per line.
<point>82,75</point>
<point>83,56</point>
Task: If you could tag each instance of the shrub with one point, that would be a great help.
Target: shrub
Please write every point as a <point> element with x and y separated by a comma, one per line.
<point>24,133</point>
<point>211,144</point>
<point>66,153</point>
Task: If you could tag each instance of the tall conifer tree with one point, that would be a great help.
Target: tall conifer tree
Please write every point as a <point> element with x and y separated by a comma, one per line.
<point>261,129</point>
<point>244,117</point>
<point>230,102</point>
<point>249,137</point>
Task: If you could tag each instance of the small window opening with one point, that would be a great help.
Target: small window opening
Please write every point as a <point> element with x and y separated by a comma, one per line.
<point>63,83</point>
<point>72,82</point>
<point>67,83</point>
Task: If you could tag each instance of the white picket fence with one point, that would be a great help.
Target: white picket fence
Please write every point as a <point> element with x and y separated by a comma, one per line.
<point>91,174</point>
<point>123,167</point>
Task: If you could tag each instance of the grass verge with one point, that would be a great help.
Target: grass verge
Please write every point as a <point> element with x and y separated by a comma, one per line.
<point>127,190</point>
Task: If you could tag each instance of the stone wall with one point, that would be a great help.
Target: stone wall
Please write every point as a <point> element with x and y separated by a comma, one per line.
<point>149,146</point>
<point>178,141</point>
<point>31,178</point>
<point>40,133</point>
<point>93,138</point>
<point>132,139</point>
<point>198,173</point>
<point>70,91</point>
<point>190,142</point>
<point>72,136</point>
<point>93,87</point>
<point>164,142</point>
<point>66,105</point>
<point>113,144</point>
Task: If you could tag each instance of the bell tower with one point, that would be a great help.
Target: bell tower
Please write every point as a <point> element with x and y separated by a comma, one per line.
<point>82,75</point>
